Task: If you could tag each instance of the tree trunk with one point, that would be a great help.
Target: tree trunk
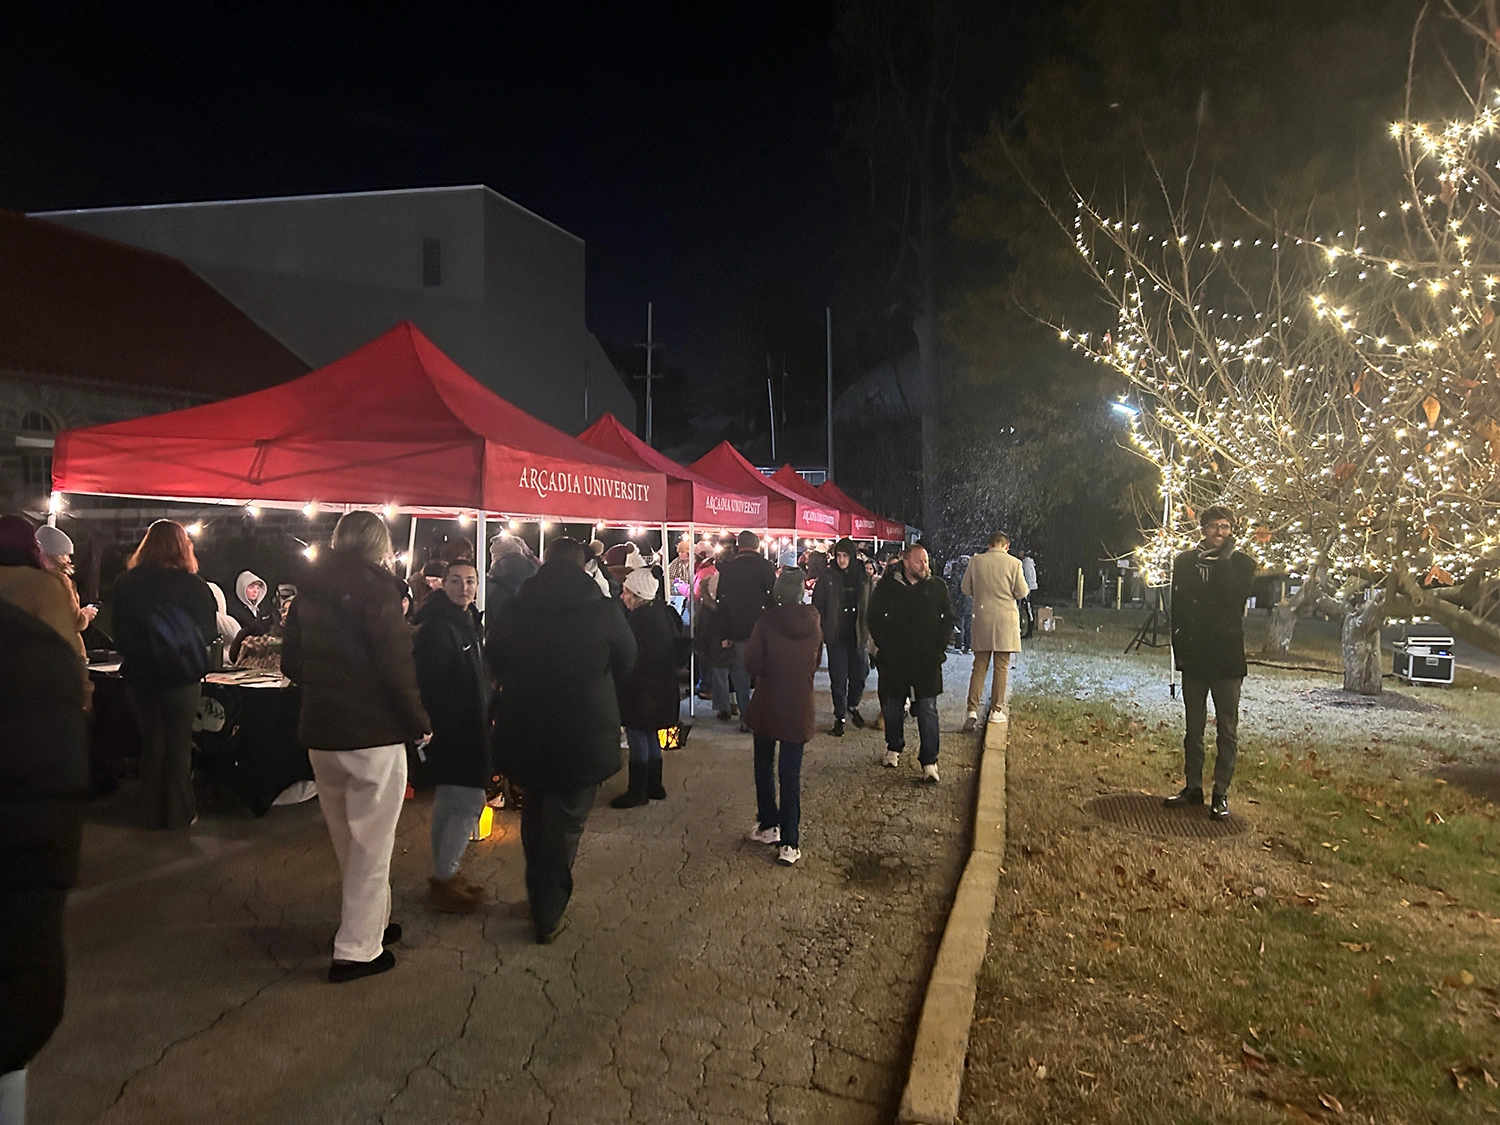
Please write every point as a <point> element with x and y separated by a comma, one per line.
<point>1284,615</point>
<point>1360,643</point>
<point>1279,632</point>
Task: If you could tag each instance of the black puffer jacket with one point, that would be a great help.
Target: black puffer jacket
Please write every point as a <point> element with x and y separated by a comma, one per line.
<point>455,683</point>
<point>43,785</point>
<point>556,648</point>
<point>649,697</point>
<point>349,647</point>
<point>745,584</point>
<point>1208,614</point>
<point>911,624</point>
<point>139,593</point>
<point>828,599</point>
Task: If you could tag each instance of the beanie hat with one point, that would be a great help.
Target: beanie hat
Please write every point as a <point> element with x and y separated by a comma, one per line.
<point>53,541</point>
<point>749,541</point>
<point>788,559</point>
<point>633,557</point>
<point>643,584</point>
<point>789,589</point>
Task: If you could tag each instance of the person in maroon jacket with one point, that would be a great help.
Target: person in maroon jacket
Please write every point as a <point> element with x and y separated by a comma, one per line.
<point>782,654</point>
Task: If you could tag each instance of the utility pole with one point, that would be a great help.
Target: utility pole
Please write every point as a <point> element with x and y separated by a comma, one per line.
<point>650,346</point>
<point>828,314</point>
<point>771,406</point>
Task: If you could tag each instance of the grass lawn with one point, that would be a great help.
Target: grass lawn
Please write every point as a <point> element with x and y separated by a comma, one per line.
<point>1339,962</point>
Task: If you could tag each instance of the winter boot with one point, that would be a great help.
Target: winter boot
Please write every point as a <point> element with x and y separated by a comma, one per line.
<point>635,795</point>
<point>451,896</point>
<point>654,788</point>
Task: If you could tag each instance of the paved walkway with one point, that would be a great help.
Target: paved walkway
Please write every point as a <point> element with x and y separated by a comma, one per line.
<point>699,982</point>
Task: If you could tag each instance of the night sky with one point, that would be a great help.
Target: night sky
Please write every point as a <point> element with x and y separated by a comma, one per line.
<point>687,143</point>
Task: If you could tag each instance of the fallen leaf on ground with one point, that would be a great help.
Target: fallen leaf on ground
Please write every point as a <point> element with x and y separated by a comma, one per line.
<point>1461,979</point>
<point>1251,1059</point>
<point>1328,1101</point>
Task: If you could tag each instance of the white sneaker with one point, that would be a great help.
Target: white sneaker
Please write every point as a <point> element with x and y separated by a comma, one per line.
<point>930,774</point>
<point>971,723</point>
<point>891,760</point>
<point>788,855</point>
<point>759,835</point>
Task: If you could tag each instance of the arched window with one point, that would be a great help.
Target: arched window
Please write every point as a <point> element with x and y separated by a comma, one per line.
<point>37,430</point>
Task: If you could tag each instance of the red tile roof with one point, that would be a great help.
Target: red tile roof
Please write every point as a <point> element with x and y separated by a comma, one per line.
<point>74,304</point>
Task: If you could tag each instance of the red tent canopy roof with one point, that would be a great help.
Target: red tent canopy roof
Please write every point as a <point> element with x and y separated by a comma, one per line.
<point>866,521</point>
<point>395,421</point>
<point>691,497</point>
<point>793,481</point>
<point>80,306</point>
<point>789,510</point>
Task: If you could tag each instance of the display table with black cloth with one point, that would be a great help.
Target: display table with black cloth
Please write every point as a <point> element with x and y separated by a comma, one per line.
<point>245,736</point>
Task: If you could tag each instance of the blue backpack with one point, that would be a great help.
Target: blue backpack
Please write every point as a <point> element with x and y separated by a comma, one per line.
<point>179,654</point>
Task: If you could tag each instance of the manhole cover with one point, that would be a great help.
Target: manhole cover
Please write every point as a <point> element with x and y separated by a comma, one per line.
<point>1140,812</point>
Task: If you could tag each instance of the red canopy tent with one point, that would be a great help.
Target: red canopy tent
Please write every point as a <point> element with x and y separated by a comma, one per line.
<point>691,497</point>
<point>789,511</point>
<point>793,481</point>
<point>395,422</point>
<point>865,524</point>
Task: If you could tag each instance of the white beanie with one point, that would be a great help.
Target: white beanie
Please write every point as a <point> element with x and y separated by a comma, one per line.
<point>643,584</point>
<point>53,541</point>
<point>633,558</point>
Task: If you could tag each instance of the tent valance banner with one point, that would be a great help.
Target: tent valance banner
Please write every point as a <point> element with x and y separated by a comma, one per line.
<point>788,511</point>
<point>691,497</point>
<point>393,422</point>
<point>864,524</point>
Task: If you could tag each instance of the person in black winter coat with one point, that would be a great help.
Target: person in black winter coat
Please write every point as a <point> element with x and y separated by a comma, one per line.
<point>911,621</point>
<point>744,592</point>
<point>555,649</point>
<point>455,686</point>
<point>1210,585</point>
<point>842,597</point>
<point>43,785</point>
<point>164,618</point>
<point>649,695</point>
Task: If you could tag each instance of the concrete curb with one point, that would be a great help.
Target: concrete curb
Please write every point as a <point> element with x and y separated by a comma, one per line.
<point>936,1077</point>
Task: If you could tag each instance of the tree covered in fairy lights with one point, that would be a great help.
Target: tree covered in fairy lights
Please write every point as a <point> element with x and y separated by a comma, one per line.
<point>1341,392</point>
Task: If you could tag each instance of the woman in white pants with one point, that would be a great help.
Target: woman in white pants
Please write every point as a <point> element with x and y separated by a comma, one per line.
<point>350,648</point>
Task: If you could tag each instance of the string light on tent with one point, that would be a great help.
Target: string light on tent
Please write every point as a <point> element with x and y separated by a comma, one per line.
<point>390,512</point>
<point>310,509</point>
<point>253,511</point>
<point>55,503</point>
<point>463,519</point>
<point>194,529</point>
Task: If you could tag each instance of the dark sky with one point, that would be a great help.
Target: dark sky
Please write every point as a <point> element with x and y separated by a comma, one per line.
<point>687,143</point>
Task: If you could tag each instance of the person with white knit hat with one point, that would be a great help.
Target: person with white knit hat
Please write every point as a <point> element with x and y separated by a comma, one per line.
<point>57,555</point>
<point>649,695</point>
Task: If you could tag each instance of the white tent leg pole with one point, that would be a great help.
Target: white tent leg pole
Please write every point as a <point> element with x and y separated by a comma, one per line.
<point>481,541</point>
<point>411,548</point>
<point>541,539</point>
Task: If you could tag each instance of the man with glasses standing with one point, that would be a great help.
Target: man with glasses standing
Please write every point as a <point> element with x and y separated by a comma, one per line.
<point>1210,585</point>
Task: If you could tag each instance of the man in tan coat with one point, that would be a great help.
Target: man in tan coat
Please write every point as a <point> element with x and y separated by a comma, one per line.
<point>995,584</point>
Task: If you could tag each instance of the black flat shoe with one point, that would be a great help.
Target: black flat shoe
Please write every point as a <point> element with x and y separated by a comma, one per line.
<point>1218,809</point>
<point>392,934</point>
<point>552,935</point>
<point>838,728</point>
<point>342,972</point>
<point>1184,799</point>
<point>856,718</point>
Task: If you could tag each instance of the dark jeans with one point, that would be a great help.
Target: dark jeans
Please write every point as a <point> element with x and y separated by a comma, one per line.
<point>965,629</point>
<point>165,716</point>
<point>1028,616</point>
<point>31,971</point>
<point>789,817</point>
<point>644,745</point>
<point>1226,693</point>
<point>551,826</point>
<point>848,668</point>
<point>893,708</point>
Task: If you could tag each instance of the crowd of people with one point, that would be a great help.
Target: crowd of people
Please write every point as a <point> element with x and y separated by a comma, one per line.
<point>573,649</point>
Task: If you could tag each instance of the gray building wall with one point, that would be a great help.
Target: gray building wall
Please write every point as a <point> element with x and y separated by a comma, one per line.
<point>325,274</point>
